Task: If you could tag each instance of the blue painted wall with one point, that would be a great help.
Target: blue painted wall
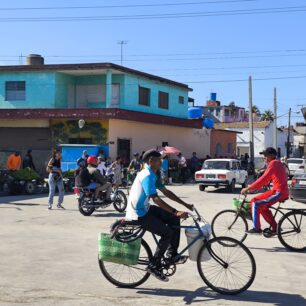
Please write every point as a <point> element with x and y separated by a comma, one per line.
<point>51,90</point>
<point>130,101</point>
<point>39,89</point>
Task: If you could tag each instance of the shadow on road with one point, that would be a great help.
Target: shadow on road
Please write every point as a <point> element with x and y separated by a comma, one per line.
<point>114,214</point>
<point>275,250</point>
<point>204,294</point>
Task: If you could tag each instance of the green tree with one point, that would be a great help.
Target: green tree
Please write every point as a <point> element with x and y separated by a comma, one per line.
<point>255,110</point>
<point>267,115</point>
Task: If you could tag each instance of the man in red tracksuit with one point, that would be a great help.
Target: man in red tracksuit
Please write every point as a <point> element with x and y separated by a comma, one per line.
<point>260,204</point>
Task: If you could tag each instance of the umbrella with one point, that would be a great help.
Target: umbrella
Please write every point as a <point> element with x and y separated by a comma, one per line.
<point>170,151</point>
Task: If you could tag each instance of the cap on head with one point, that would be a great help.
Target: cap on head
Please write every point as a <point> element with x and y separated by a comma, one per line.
<point>150,153</point>
<point>269,151</point>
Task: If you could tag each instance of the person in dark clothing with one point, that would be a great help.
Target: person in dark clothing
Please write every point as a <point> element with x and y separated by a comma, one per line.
<point>194,164</point>
<point>28,160</point>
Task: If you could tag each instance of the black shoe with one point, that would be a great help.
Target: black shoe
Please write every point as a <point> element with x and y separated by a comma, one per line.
<point>254,231</point>
<point>177,260</point>
<point>157,273</point>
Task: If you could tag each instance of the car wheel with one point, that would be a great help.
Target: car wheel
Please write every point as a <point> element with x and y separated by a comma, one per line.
<point>202,187</point>
<point>243,185</point>
<point>231,186</point>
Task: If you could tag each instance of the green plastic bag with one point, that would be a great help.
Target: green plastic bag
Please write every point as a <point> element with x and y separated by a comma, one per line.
<point>126,253</point>
<point>237,204</point>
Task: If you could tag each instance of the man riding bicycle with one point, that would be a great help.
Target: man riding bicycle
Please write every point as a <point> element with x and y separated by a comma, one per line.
<point>158,218</point>
<point>260,204</point>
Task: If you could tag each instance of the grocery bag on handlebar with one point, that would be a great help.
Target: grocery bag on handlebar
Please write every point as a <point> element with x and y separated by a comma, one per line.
<point>237,204</point>
<point>125,253</point>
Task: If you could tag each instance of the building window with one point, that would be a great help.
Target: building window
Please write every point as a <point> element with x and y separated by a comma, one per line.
<point>144,96</point>
<point>163,100</point>
<point>181,100</point>
<point>218,150</point>
<point>230,148</point>
<point>15,91</point>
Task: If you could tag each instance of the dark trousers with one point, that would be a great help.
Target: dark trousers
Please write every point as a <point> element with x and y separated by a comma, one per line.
<point>183,174</point>
<point>159,222</point>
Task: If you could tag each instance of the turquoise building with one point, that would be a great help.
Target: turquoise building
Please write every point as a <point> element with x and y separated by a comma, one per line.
<point>126,109</point>
<point>93,86</point>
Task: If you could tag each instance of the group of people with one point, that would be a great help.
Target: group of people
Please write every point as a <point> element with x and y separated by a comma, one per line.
<point>163,220</point>
<point>16,162</point>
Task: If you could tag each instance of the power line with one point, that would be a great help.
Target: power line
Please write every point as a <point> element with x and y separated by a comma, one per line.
<point>122,5</point>
<point>159,16</point>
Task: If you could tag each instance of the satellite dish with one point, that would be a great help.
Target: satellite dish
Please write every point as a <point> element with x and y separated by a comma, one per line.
<point>81,123</point>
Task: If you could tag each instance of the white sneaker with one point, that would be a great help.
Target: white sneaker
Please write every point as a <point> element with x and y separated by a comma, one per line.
<point>50,206</point>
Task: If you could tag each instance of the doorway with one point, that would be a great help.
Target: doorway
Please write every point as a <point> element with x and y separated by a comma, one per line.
<point>124,150</point>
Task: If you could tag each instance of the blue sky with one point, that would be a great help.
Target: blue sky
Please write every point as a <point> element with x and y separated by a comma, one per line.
<point>199,51</point>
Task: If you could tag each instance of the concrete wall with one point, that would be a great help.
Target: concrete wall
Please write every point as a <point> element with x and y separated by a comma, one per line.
<point>226,141</point>
<point>59,90</point>
<point>131,99</point>
<point>144,136</point>
<point>40,89</point>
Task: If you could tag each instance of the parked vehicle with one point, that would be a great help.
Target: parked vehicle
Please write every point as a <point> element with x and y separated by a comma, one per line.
<point>296,166</point>
<point>4,182</point>
<point>221,172</point>
<point>19,182</point>
<point>298,188</point>
<point>88,204</point>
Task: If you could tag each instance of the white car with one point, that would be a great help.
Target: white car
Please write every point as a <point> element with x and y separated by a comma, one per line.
<point>221,172</point>
<point>296,166</point>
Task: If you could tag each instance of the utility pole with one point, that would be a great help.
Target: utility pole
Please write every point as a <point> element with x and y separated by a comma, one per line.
<point>251,128</point>
<point>275,121</point>
<point>121,43</point>
<point>288,138</point>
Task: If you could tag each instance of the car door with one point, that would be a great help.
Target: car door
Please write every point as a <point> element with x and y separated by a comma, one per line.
<point>240,173</point>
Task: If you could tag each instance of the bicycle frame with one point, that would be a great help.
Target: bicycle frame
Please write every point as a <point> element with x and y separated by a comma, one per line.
<point>200,236</point>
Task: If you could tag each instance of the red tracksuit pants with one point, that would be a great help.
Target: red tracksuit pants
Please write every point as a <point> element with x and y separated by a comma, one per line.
<point>260,206</point>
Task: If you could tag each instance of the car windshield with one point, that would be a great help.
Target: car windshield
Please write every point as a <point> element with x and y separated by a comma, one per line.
<point>295,161</point>
<point>216,164</point>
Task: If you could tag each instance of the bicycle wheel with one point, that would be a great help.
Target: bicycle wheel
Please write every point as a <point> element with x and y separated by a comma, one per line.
<point>229,223</point>
<point>125,276</point>
<point>291,230</point>
<point>120,201</point>
<point>224,268</point>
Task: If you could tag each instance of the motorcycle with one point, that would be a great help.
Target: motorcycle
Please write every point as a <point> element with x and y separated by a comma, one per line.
<point>88,204</point>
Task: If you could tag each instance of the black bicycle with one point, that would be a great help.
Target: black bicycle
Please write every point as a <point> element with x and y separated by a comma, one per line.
<point>291,227</point>
<point>225,264</point>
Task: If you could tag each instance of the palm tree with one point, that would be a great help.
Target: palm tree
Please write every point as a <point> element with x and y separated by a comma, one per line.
<point>267,115</point>
<point>255,110</point>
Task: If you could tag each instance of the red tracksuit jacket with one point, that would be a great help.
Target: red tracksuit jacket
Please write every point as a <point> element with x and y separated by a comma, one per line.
<point>277,174</point>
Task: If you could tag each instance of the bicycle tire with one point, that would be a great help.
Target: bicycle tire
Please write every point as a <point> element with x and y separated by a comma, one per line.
<point>214,248</point>
<point>282,230</point>
<point>217,219</point>
<point>120,202</point>
<point>121,284</point>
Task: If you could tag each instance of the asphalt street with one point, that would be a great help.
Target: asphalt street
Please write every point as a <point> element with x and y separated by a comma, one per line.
<point>50,258</point>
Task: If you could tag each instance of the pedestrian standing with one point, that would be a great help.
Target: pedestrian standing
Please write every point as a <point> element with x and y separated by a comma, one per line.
<point>28,160</point>
<point>101,166</point>
<point>14,162</point>
<point>182,165</point>
<point>55,179</point>
<point>117,167</point>
<point>165,169</point>
<point>194,164</point>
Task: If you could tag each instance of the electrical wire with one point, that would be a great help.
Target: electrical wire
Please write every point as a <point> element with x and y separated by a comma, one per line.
<point>159,16</point>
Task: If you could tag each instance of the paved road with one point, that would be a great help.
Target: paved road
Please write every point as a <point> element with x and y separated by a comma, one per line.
<point>50,258</point>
